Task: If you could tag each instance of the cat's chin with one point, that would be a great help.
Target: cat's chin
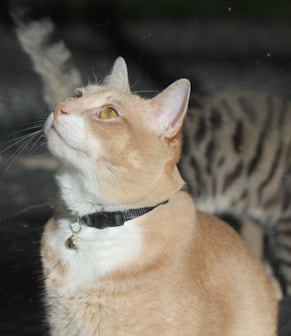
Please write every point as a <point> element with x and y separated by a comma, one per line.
<point>58,144</point>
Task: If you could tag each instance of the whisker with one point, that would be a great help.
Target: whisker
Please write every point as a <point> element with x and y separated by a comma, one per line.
<point>20,139</point>
<point>25,142</point>
<point>36,142</point>
<point>17,153</point>
<point>36,126</point>
<point>94,75</point>
<point>137,81</point>
<point>146,91</point>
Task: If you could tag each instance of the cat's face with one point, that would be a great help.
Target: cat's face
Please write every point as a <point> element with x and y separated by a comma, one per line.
<point>120,143</point>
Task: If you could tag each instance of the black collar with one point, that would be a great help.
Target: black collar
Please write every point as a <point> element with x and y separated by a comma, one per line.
<point>105,219</point>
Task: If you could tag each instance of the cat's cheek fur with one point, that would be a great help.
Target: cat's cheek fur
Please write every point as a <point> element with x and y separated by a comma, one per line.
<point>100,252</point>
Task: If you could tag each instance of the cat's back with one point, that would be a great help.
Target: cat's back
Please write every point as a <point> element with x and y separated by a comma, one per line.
<point>236,152</point>
<point>238,122</point>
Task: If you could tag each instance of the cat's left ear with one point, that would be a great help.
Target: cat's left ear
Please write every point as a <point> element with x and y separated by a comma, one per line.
<point>170,108</point>
<point>118,77</point>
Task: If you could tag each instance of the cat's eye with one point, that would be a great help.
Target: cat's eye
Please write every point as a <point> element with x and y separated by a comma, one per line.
<point>108,113</point>
<point>76,96</point>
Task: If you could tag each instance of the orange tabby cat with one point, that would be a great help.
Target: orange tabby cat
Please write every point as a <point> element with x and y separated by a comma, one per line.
<point>128,253</point>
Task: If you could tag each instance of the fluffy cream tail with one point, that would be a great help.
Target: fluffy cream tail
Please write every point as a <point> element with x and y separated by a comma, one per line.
<point>50,60</point>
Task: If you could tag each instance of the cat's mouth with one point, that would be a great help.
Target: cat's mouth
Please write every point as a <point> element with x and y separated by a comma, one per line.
<point>55,130</point>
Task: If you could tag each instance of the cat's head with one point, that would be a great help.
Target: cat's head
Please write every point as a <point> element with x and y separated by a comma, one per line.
<point>116,146</point>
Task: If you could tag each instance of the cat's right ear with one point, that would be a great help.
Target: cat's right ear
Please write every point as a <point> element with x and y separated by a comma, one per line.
<point>118,77</point>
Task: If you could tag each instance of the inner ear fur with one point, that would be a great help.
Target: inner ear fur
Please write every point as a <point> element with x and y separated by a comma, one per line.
<point>170,108</point>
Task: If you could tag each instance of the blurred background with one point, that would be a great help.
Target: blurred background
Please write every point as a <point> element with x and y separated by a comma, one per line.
<point>214,43</point>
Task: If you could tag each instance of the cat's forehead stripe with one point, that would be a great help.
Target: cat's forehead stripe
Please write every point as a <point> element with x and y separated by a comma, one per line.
<point>101,95</point>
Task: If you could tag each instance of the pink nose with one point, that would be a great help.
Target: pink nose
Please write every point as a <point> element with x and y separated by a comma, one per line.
<point>61,109</point>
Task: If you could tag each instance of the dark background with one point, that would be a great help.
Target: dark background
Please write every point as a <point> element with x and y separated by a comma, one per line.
<point>214,43</point>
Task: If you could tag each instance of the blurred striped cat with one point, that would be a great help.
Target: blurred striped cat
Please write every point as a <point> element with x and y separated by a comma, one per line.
<point>236,152</point>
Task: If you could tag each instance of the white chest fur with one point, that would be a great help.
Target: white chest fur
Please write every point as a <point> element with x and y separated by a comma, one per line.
<point>98,252</point>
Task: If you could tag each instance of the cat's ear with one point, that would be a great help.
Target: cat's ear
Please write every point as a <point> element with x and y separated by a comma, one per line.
<point>118,77</point>
<point>170,108</point>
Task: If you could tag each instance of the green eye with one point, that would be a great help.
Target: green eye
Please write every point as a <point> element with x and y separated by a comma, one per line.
<point>108,113</point>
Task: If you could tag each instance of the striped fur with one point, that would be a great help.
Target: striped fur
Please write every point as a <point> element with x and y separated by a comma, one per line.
<point>236,161</point>
<point>236,154</point>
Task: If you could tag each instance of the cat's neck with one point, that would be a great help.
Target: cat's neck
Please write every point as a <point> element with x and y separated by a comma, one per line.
<point>81,199</point>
